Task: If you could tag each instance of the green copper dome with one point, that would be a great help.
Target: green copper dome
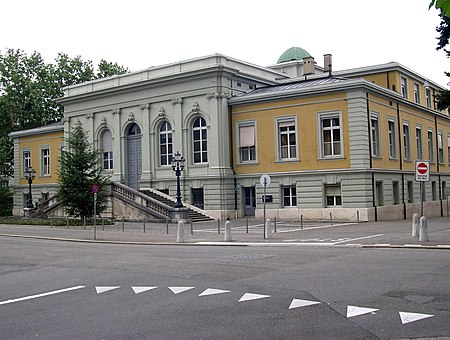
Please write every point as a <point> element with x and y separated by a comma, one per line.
<point>293,53</point>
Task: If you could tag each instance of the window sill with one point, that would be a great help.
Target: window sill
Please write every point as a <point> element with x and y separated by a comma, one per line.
<point>288,160</point>
<point>331,158</point>
<point>248,163</point>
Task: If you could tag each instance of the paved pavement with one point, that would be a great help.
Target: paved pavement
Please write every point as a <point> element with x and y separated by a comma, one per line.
<point>387,234</point>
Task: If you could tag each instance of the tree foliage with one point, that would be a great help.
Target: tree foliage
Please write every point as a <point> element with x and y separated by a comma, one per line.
<point>79,170</point>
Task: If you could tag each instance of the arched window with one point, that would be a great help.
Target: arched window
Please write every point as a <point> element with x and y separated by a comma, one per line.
<point>106,141</point>
<point>199,138</point>
<point>165,143</point>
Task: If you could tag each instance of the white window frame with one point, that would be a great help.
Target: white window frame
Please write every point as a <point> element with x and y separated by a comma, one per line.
<point>322,116</point>
<point>406,141</point>
<point>419,144</point>
<point>26,160</point>
<point>448,148</point>
<point>428,97</point>
<point>107,154</point>
<point>282,122</point>
<point>45,161</point>
<point>392,139</point>
<point>416,93</point>
<point>404,87</point>
<point>289,194</point>
<point>333,192</point>
<point>430,145</point>
<point>203,153</point>
<point>165,158</point>
<point>249,150</point>
<point>375,134</point>
<point>440,147</point>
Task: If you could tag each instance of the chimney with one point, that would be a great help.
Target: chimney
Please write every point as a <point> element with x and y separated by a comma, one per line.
<point>308,66</point>
<point>327,63</point>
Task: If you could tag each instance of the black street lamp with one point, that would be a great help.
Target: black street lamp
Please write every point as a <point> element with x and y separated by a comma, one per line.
<point>30,175</point>
<point>178,166</point>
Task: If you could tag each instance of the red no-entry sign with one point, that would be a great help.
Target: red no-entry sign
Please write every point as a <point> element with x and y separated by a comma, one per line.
<point>422,171</point>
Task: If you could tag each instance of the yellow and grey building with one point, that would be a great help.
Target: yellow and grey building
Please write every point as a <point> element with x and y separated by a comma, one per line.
<point>340,142</point>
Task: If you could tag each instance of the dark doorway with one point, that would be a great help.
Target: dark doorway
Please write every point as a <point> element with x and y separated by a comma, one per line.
<point>134,156</point>
<point>198,198</point>
<point>249,201</point>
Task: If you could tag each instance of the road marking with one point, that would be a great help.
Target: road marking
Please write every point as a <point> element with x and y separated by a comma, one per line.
<point>250,296</point>
<point>178,290</point>
<point>411,317</point>
<point>360,238</point>
<point>41,295</point>
<point>296,303</point>
<point>355,311</point>
<point>211,291</point>
<point>138,290</point>
<point>102,289</point>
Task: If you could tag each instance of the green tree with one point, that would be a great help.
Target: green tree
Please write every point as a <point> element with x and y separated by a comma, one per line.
<point>107,69</point>
<point>6,170</point>
<point>443,97</point>
<point>79,170</point>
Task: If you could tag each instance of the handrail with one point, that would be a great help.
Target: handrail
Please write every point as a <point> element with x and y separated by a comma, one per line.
<point>141,199</point>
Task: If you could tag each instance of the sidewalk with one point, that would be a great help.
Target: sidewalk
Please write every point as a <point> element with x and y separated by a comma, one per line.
<point>372,234</point>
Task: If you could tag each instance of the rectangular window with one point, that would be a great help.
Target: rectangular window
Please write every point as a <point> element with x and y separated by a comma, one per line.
<point>410,192</point>
<point>379,193</point>
<point>375,130</point>
<point>289,197</point>
<point>247,148</point>
<point>404,87</point>
<point>440,148</point>
<point>448,149</point>
<point>287,139</point>
<point>416,93</point>
<point>430,146</point>
<point>419,142</point>
<point>391,139</point>
<point>45,162</point>
<point>108,163</point>
<point>26,158</point>
<point>396,192</point>
<point>330,134</point>
<point>433,191</point>
<point>428,97</point>
<point>406,143</point>
<point>333,195</point>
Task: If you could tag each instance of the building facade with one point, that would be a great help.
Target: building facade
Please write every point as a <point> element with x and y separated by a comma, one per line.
<point>333,142</point>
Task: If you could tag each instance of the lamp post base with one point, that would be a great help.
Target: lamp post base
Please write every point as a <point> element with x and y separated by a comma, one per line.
<point>179,214</point>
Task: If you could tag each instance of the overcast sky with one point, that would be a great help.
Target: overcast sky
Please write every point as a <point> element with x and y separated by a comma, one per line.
<point>141,33</point>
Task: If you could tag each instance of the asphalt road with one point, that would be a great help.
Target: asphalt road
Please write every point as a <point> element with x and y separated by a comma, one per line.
<point>69,290</point>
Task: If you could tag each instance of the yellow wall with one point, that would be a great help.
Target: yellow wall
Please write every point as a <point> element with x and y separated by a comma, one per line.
<point>305,110</point>
<point>34,142</point>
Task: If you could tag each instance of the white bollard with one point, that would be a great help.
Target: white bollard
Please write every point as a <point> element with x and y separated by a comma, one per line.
<point>180,232</point>
<point>268,229</point>
<point>227,237</point>
<point>415,225</point>
<point>423,229</point>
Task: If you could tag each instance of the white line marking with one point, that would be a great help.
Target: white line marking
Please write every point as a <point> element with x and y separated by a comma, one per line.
<point>138,290</point>
<point>211,291</point>
<point>411,317</point>
<point>359,238</point>
<point>41,295</point>
<point>250,296</point>
<point>178,290</point>
<point>355,311</point>
<point>296,303</point>
<point>102,289</point>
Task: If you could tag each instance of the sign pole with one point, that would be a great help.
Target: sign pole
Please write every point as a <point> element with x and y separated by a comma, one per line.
<point>95,215</point>
<point>421,198</point>
<point>264,215</point>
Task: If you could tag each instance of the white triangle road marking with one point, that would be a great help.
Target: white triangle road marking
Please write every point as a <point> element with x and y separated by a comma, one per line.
<point>102,289</point>
<point>296,303</point>
<point>138,290</point>
<point>355,311</point>
<point>250,296</point>
<point>177,290</point>
<point>211,291</point>
<point>411,317</point>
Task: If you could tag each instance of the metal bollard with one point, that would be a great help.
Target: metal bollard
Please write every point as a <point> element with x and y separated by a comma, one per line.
<point>167,225</point>
<point>180,232</point>
<point>301,222</point>
<point>192,227</point>
<point>103,224</point>
<point>227,237</point>
<point>274,224</point>
<point>218,226</point>
<point>268,229</point>
<point>415,225</point>
<point>84,222</point>
<point>246,225</point>
<point>331,219</point>
<point>144,226</point>
<point>423,229</point>
<point>123,224</point>
<point>67,222</point>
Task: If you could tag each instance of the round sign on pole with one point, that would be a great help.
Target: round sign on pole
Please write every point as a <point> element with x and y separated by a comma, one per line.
<point>422,171</point>
<point>264,180</point>
<point>95,188</point>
